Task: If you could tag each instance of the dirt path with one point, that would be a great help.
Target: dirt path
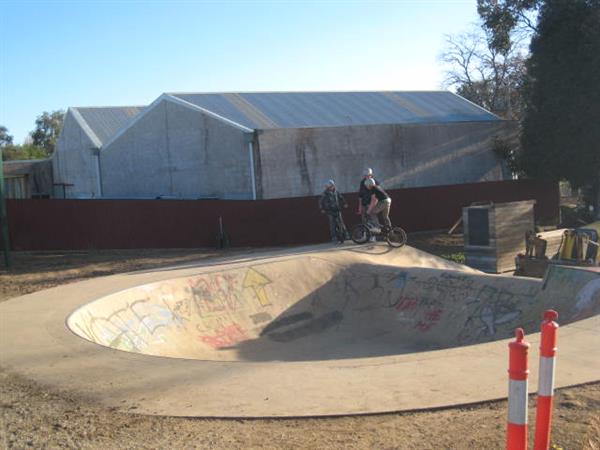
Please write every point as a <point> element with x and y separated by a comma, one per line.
<point>35,417</point>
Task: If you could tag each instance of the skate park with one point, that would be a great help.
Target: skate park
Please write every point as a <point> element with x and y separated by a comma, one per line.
<point>167,278</point>
<point>312,331</point>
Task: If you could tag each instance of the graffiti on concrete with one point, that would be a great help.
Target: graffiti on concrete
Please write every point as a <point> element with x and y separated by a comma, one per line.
<point>129,328</point>
<point>423,302</point>
<point>260,317</point>
<point>492,310</point>
<point>580,285</point>
<point>406,304</point>
<point>429,319</point>
<point>224,310</point>
<point>587,301</point>
<point>306,324</point>
<point>225,337</point>
<point>216,293</point>
<point>207,304</point>
<point>257,282</point>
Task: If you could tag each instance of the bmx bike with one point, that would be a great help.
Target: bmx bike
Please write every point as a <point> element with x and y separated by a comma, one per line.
<point>341,233</point>
<point>394,236</point>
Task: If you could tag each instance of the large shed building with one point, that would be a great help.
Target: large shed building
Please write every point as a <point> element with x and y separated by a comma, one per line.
<point>76,163</point>
<point>278,144</point>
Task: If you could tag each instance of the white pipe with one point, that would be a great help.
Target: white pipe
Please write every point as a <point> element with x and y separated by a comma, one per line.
<point>98,173</point>
<point>252,176</point>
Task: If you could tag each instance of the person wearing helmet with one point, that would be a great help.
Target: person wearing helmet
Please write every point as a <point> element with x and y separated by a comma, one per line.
<point>331,203</point>
<point>364,195</point>
<point>380,203</point>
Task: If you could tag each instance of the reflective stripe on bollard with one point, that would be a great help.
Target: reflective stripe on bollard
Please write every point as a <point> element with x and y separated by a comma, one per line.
<point>543,422</point>
<point>518,370</point>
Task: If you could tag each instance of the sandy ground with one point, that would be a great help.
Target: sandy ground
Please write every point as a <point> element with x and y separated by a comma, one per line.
<point>36,417</point>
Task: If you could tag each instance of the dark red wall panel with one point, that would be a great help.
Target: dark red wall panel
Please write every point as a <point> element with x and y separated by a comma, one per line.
<point>105,224</point>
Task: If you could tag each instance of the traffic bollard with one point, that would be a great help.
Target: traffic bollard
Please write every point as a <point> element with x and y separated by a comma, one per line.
<point>516,433</point>
<point>545,397</point>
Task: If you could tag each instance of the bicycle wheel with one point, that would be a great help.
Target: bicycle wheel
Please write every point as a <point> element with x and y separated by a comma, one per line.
<point>360,234</point>
<point>396,237</point>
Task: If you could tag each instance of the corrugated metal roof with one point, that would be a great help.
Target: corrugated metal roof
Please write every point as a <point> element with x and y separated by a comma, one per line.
<point>106,121</point>
<point>267,110</point>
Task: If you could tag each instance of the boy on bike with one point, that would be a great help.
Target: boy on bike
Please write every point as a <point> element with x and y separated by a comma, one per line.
<point>364,195</point>
<point>331,203</point>
<point>380,203</point>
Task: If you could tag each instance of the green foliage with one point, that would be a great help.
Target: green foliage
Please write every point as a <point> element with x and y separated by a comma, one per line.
<point>25,151</point>
<point>47,129</point>
<point>502,17</point>
<point>561,135</point>
<point>5,138</point>
<point>575,216</point>
<point>455,257</point>
<point>508,152</point>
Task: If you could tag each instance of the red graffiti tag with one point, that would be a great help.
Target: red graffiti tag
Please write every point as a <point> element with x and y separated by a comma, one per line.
<point>225,337</point>
<point>406,304</point>
<point>430,318</point>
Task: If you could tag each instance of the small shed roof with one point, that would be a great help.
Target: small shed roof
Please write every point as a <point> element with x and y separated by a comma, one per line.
<point>104,122</point>
<point>268,110</point>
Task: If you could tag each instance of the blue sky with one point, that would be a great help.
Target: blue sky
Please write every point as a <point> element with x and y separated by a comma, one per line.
<point>56,54</point>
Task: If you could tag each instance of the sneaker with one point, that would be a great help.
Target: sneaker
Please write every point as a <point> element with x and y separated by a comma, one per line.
<point>374,229</point>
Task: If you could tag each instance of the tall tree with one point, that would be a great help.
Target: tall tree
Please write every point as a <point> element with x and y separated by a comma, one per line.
<point>5,138</point>
<point>561,131</point>
<point>501,18</point>
<point>47,129</point>
<point>484,75</point>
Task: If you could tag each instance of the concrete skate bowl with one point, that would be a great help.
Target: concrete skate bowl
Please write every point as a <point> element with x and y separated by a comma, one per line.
<point>316,331</point>
<point>311,308</point>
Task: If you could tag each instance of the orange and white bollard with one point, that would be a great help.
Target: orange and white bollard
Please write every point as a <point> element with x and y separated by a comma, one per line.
<point>545,396</point>
<point>518,370</point>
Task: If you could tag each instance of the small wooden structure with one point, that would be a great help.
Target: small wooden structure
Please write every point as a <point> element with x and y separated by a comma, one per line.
<point>494,234</point>
<point>28,178</point>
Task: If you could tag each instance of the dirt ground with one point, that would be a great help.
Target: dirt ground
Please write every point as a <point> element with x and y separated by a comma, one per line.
<point>36,417</point>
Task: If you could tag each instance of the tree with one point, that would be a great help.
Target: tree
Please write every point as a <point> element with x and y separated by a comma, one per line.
<point>47,129</point>
<point>25,151</point>
<point>483,75</point>
<point>559,130</point>
<point>561,135</point>
<point>501,18</point>
<point>5,138</point>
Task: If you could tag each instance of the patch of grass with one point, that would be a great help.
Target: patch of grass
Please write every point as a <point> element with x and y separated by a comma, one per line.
<point>458,257</point>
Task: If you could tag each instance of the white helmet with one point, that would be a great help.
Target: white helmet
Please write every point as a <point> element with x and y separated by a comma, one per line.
<point>369,182</point>
<point>368,172</point>
<point>330,183</point>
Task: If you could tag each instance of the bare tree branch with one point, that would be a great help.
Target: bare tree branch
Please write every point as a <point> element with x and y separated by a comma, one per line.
<point>483,74</point>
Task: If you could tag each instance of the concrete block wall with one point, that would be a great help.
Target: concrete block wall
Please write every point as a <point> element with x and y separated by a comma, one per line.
<point>296,162</point>
<point>174,151</point>
<point>73,162</point>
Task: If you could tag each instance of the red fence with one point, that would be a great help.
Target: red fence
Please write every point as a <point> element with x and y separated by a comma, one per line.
<point>104,224</point>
